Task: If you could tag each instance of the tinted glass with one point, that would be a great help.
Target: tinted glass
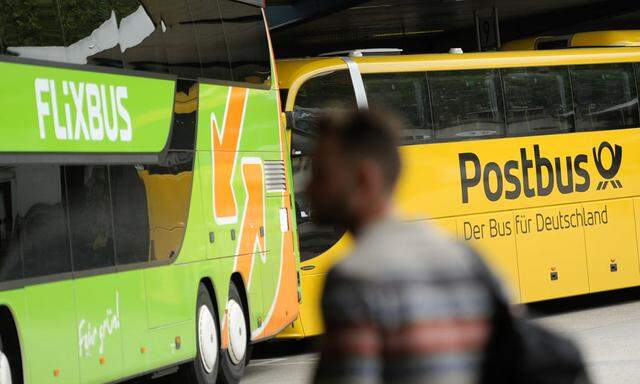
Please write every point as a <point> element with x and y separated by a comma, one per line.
<point>636,68</point>
<point>180,39</point>
<point>467,105</point>
<point>319,95</point>
<point>313,239</point>
<point>538,101</point>
<point>247,42</point>
<point>212,45</point>
<point>406,95</point>
<point>130,214</point>
<point>605,97</point>
<point>552,44</point>
<point>10,253</point>
<point>90,217</point>
<point>148,205</point>
<point>168,186</point>
<point>141,35</point>
<point>183,130</point>
<point>31,29</point>
<point>42,219</point>
<point>91,32</point>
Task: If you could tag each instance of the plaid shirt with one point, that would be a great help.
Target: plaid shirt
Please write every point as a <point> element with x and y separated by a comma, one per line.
<point>406,307</point>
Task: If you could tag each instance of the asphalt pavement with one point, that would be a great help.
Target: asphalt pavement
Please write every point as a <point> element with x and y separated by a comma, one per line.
<point>606,327</point>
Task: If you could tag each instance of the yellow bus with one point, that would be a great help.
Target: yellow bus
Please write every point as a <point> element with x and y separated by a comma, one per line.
<point>530,157</point>
<point>594,39</point>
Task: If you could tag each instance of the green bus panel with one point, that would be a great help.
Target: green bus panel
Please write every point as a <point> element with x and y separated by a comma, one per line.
<point>133,323</point>
<point>49,329</point>
<point>48,109</point>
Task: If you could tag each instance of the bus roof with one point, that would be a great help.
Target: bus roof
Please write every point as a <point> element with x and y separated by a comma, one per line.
<point>293,72</point>
<point>623,38</point>
<point>629,38</point>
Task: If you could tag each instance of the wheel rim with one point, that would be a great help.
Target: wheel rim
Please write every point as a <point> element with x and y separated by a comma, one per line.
<point>237,332</point>
<point>5,369</point>
<point>208,339</point>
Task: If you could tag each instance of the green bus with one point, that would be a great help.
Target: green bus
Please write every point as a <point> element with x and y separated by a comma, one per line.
<point>145,209</point>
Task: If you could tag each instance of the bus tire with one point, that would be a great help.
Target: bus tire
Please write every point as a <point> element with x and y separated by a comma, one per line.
<point>235,358</point>
<point>204,368</point>
<point>6,373</point>
<point>249,353</point>
<point>10,351</point>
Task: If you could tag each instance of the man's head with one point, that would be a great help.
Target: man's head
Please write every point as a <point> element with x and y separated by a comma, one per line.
<point>355,169</point>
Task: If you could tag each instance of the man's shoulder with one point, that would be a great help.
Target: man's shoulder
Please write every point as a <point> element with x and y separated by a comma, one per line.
<point>402,249</point>
<point>426,276</point>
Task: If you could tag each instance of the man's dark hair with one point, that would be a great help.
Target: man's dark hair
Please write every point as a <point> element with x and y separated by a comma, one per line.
<point>366,135</point>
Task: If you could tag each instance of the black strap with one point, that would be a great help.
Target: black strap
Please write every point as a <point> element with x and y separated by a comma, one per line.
<point>501,352</point>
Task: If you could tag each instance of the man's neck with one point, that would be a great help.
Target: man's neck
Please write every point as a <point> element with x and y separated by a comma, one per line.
<point>378,213</point>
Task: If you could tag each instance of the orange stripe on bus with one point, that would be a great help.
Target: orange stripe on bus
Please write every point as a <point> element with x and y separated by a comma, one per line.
<point>253,219</point>
<point>225,147</point>
<point>286,302</point>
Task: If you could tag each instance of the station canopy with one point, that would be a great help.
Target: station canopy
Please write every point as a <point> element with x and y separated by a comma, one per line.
<point>311,27</point>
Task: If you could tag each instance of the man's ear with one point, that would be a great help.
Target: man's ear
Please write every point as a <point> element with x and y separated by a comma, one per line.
<point>369,176</point>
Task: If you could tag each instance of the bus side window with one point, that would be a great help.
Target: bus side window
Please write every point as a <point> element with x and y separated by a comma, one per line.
<point>180,39</point>
<point>636,68</point>
<point>183,130</point>
<point>467,105</point>
<point>211,40</point>
<point>605,96</point>
<point>322,94</point>
<point>168,188</point>
<point>405,95</point>
<point>31,32</point>
<point>43,220</point>
<point>142,35</point>
<point>246,34</point>
<point>90,217</point>
<point>538,101</point>
<point>130,214</point>
<point>10,255</point>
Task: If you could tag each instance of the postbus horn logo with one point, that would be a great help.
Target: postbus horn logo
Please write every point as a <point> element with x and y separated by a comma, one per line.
<point>608,173</point>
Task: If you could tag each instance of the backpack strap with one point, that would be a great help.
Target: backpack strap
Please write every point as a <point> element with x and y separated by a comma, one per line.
<point>520,351</point>
<point>500,356</point>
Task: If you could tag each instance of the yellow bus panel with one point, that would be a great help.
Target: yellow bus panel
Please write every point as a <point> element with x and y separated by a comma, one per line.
<point>612,254</point>
<point>494,237</point>
<point>449,227</point>
<point>552,262</point>
<point>621,38</point>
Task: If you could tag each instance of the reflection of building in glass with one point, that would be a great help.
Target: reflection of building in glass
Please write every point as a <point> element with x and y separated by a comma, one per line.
<point>133,29</point>
<point>220,40</point>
